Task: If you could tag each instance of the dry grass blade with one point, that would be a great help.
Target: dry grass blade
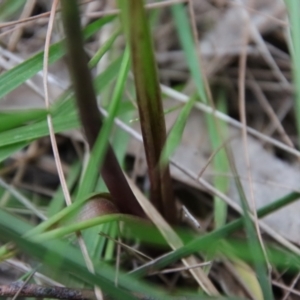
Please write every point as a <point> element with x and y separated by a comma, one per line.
<point>242,107</point>
<point>269,110</point>
<point>14,38</point>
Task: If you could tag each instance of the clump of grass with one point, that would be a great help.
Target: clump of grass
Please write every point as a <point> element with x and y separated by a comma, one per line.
<point>50,240</point>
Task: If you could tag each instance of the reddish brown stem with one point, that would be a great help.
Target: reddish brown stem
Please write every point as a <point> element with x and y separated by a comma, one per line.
<point>89,113</point>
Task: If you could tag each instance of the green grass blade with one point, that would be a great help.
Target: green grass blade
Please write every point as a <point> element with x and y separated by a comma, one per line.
<point>278,257</point>
<point>10,7</point>
<point>102,50</point>
<point>65,213</point>
<point>121,138</point>
<point>220,162</point>
<point>79,226</point>
<point>13,78</point>
<point>11,119</point>
<point>38,130</point>
<point>8,150</point>
<point>293,7</point>
<point>186,38</point>
<point>176,132</point>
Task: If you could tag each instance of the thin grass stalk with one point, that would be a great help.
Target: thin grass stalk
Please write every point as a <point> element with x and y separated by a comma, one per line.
<point>252,228</point>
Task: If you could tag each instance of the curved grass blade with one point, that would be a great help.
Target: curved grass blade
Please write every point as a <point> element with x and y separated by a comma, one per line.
<point>103,49</point>
<point>13,78</point>
<point>79,226</point>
